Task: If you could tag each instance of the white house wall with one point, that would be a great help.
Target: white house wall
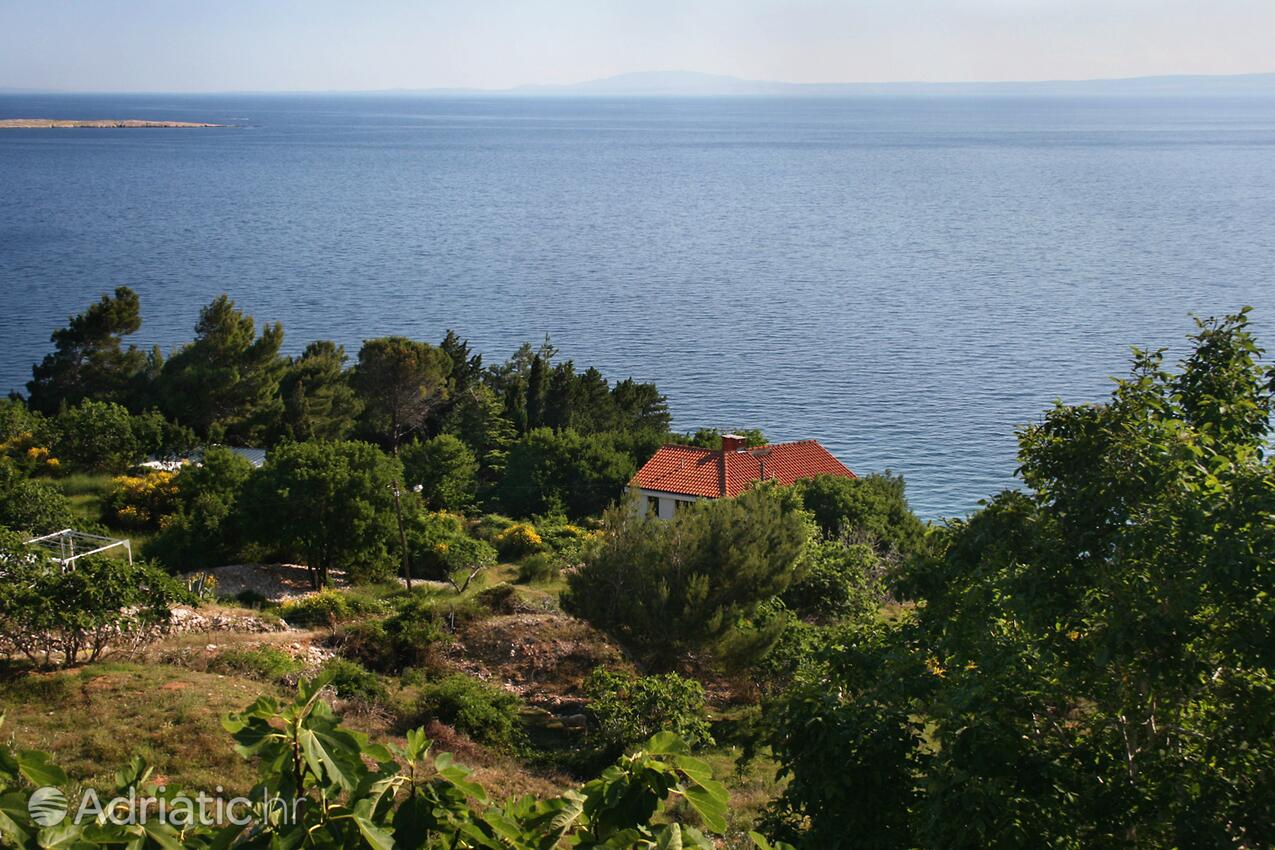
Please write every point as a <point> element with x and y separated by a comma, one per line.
<point>667,502</point>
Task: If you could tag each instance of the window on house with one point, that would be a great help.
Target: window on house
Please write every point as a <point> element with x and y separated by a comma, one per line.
<point>652,506</point>
<point>681,505</point>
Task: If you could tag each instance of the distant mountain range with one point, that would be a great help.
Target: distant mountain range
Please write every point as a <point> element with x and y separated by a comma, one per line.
<point>685,83</point>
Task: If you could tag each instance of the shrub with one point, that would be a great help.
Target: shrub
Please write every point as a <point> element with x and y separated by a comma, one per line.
<point>352,680</point>
<point>490,525</point>
<point>538,568</point>
<point>139,502</point>
<point>518,540</point>
<point>250,598</point>
<point>872,509</point>
<point>25,451</point>
<point>426,532</point>
<point>841,580</point>
<point>405,640</point>
<point>206,530</point>
<point>98,435</point>
<point>446,613</point>
<point>268,663</point>
<point>368,644</point>
<point>52,615</point>
<point>564,539</point>
<point>463,559</point>
<point>796,643</point>
<point>484,712</point>
<point>561,470</point>
<point>16,419</point>
<point>32,506</point>
<point>499,598</point>
<point>667,588</point>
<point>629,708</point>
<point>326,608</point>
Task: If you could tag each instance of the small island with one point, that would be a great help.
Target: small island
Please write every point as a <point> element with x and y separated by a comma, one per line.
<point>97,123</point>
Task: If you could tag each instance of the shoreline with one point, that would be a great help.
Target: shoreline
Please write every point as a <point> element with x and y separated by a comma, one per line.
<point>99,124</point>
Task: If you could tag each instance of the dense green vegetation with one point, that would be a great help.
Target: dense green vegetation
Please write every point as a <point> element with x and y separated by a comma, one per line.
<point>1085,662</point>
<point>1089,661</point>
<point>55,616</point>
<point>669,588</point>
<point>360,794</point>
<point>531,436</point>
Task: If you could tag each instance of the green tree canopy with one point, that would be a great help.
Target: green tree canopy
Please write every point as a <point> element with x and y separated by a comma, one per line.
<point>35,507</point>
<point>466,370</point>
<point>100,435</point>
<point>225,383</point>
<point>89,360</point>
<point>157,435</point>
<point>477,417</point>
<point>665,588</point>
<point>1091,659</point>
<point>550,471</point>
<point>711,438</point>
<point>445,469</point>
<point>640,407</point>
<point>401,382</point>
<point>318,401</point>
<point>538,391</point>
<point>328,504</point>
<point>872,509</point>
<point>206,531</point>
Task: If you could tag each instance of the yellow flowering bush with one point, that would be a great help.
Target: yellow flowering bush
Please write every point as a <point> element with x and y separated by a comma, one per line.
<point>27,454</point>
<point>566,540</point>
<point>142,501</point>
<point>518,540</point>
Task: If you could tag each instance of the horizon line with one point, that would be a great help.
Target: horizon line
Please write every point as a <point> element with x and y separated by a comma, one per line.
<point>525,89</point>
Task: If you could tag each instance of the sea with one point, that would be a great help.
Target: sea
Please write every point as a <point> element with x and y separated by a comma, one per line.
<point>907,279</point>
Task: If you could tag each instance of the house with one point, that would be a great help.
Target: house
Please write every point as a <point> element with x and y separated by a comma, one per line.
<point>676,476</point>
<point>256,457</point>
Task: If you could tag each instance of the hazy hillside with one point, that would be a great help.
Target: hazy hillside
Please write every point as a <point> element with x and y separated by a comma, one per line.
<point>675,83</point>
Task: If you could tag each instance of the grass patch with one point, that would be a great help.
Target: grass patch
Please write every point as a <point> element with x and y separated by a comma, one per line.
<point>95,719</point>
<point>86,491</point>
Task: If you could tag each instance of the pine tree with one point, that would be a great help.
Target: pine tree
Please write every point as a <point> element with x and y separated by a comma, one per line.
<point>225,384</point>
<point>318,401</point>
<point>90,360</point>
<point>537,391</point>
<point>561,397</point>
<point>402,383</point>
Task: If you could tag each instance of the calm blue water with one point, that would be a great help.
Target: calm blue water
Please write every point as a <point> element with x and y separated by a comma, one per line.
<point>904,279</point>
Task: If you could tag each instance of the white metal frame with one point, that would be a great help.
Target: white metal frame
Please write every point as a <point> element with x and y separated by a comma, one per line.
<point>63,545</point>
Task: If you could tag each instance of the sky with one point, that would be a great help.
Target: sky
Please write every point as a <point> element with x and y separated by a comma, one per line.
<point>255,45</point>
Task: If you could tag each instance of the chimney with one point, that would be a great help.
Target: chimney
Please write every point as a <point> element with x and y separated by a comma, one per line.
<point>731,443</point>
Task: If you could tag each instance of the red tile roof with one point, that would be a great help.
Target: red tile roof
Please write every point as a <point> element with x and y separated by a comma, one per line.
<point>692,471</point>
